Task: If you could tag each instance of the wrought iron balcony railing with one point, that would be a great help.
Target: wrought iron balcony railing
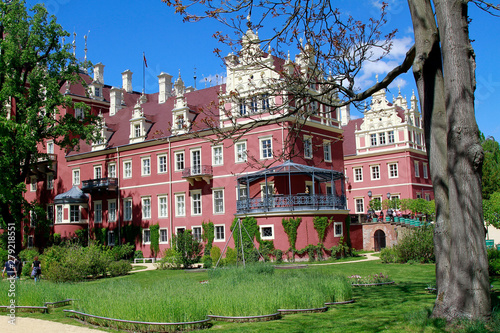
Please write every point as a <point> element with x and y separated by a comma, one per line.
<point>201,172</point>
<point>292,202</point>
<point>100,184</point>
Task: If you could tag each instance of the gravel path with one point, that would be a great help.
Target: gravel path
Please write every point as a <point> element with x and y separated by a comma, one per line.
<point>24,325</point>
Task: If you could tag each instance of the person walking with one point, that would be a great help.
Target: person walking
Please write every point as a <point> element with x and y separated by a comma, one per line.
<point>36,267</point>
<point>10,268</point>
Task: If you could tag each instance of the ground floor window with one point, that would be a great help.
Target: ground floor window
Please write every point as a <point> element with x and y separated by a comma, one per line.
<point>337,229</point>
<point>197,233</point>
<point>163,236</point>
<point>267,232</point>
<point>74,213</point>
<point>219,233</point>
<point>146,236</point>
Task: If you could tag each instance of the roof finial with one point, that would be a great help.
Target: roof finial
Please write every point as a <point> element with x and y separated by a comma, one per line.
<point>376,77</point>
<point>194,78</point>
<point>399,88</point>
<point>85,49</point>
<point>74,44</point>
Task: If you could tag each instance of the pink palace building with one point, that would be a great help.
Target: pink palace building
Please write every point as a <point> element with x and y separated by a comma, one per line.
<point>157,164</point>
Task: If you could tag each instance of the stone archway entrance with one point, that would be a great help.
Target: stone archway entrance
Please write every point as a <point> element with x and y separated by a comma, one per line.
<point>379,240</point>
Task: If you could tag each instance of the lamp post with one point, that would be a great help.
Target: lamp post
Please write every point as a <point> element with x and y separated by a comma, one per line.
<point>389,217</point>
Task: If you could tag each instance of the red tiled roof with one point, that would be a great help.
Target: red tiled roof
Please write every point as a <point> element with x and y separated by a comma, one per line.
<point>349,137</point>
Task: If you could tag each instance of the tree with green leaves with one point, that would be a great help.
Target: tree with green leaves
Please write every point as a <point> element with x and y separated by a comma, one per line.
<point>491,208</point>
<point>491,166</point>
<point>34,65</point>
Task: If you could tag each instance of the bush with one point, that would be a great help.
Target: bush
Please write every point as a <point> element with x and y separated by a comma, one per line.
<point>123,251</point>
<point>215,254</point>
<point>494,262</point>
<point>171,260</point>
<point>117,268</point>
<point>389,255</point>
<point>28,255</point>
<point>231,256</point>
<point>206,261</point>
<point>418,245</point>
<point>188,247</point>
<point>4,254</point>
<point>138,254</point>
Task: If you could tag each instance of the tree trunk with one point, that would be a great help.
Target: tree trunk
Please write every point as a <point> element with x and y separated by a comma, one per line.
<point>466,290</point>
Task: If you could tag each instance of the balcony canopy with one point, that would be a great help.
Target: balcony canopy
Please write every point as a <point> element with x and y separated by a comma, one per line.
<point>290,168</point>
<point>75,195</point>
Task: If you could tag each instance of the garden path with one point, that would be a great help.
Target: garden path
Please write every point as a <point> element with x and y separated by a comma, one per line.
<point>369,256</point>
<point>24,324</point>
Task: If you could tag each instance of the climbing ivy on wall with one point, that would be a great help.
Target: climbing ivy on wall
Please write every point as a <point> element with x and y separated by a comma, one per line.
<point>320,224</point>
<point>291,225</point>
<point>155,239</point>
<point>208,236</point>
<point>250,224</point>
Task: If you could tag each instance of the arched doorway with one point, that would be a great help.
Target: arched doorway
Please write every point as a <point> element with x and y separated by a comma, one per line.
<point>379,240</point>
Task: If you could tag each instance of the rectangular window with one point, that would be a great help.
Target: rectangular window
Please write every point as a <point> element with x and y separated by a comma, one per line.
<point>112,170</point>
<point>266,190</point>
<point>327,151</point>
<point>390,136</point>
<point>253,104</point>
<point>179,161</point>
<point>162,163</point>
<point>219,233</point>
<point>76,176</point>
<point>425,172</point>
<point>373,139</point>
<point>417,169</point>
<point>196,162</point>
<point>112,210</point>
<point>217,155</point>
<point>218,196</point>
<point>33,182</point>
<point>127,169</point>
<point>197,233</point>
<point>337,229</point>
<point>375,172</point>
<point>146,166</point>
<point>74,213</point>
<point>146,208</point>
<point>308,147</point>
<point>242,107</point>
<point>180,205</point>
<point>179,230</point>
<point>137,130</point>
<point>30,241</point>
<point>79,113</point>
<point>97,171</point>
<point>50,181</point>
<point>97,212</point>
<point>59,214</point>
<point>50,147</point>
<point>242,193</point>
<point>146,236</point>
<point>163,236</point>
<point>162,206</point>
<point>358,174</point>
<point>265,102</point>
<point>360,206</point>
<point>393,170</point>
<point>241,152</point>
<point>267,232</point>
<point>381,138</point>
<point>127,209</point>
<point>266,149</point>
<point>111,238</point>
<point>196,202</point>
<point>50,214</point>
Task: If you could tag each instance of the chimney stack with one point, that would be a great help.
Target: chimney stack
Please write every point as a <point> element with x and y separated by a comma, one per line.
<point>99,73</point>
<point>115,95</point>
<point>127,81</point>
<point>165,83</point>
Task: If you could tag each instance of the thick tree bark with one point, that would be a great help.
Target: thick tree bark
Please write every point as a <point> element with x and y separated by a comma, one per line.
<point>466,293</point>
<point>444,72</point>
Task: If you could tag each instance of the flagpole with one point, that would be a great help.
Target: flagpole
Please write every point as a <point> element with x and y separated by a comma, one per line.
<point>143,72</point>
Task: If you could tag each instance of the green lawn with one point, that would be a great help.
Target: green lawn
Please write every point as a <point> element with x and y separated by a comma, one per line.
<point>392,308</point>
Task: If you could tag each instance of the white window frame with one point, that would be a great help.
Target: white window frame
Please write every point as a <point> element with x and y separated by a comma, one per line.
<point>269,189</point>
<point>162,206</point>
<point>381,138</point>
<point>50,214</point>
<point>165,230</point>
<point>425,170</point>
<point>50,147</point>
<point>214,198</point>
<point>146,208</point>
<point>373,139</point>
<point>216,239</point>
<point>196,194</point>
<point>390,137</point>
<point>97,212</point>
<point>127,169</point>
<point>137,130</point>
<point>125,209</point>
<point>262,234</point>
<point>198,227</point>
<point>240,191</point>
<point>308,149</point>
<point>327,151</point>
<point>144,232</point>
<point>76,176</point>
<point>146,166</point>
<point>178,212</point>
<point>392,172</point>
<point>33,184</point>
<point>97,171</point>
<point>266,148</point>
<point>355,175</point>
<point>112,217</point>
<point>240,152</point>
<point>417,169</point>
<point>217,159</point>
<point>71,214</point>
<point>50,181</point>
<point>177,161</point>
<point>111,232</point>
<point>335,233</point>
<point>195,168</point>
<point>356,206</point>
<point>59,214</point>
<point>372,168</point>
<point>178,230</point>
<point>79,113</point>
<point>112,170</point>
<point>162,167</point>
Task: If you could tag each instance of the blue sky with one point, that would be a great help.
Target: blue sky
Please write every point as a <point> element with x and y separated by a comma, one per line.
<point>120,31</point>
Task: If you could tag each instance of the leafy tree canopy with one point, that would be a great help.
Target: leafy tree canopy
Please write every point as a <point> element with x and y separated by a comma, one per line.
<point>491,166</point>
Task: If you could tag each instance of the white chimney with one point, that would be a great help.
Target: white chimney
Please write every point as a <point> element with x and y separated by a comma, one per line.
<point>99,73</point>
<point>345,115</point>
<point>115,95</point>
<point>165,83</point>
<point>127,81</point>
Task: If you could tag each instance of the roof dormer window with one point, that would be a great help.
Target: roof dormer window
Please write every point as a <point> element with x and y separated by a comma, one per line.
<point>137,130</point>
<point>97,92</point>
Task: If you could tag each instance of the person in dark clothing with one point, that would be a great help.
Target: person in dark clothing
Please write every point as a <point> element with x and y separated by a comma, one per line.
<point>19,267</point>
<point>9,268</point>
<point>36,269</point>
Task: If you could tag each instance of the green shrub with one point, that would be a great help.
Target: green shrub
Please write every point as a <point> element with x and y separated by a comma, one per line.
<point>26,271</point>
<point>231,256</point>
<point>4,254</point>
<point>123,251</point>
<point>206,261</point>
<point>417,245</point>
<point>138,254</point>
<point>117,268</point>
<point>389,255</point>
<point>266,249</point>
<point>171,260</point>
<point>278,254</point>
<point>215,253</point>
<point>494,262</point>
<point>28,254</point>
<point>188,247</point>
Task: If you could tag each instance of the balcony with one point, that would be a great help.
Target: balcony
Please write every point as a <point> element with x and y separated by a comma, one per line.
<point>198,173</point>
<point>44,165</point>
<point>291,202</point>
<point>100,185</point>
